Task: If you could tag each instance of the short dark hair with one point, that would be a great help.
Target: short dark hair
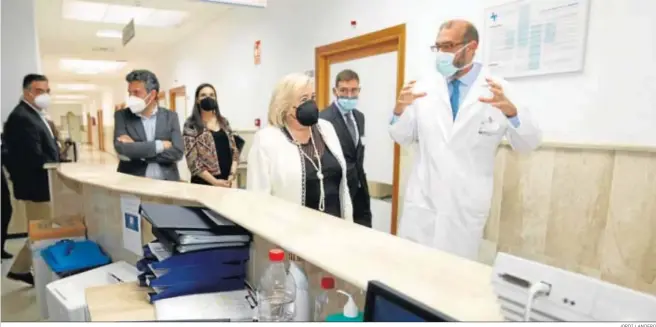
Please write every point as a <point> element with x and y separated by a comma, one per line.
<point>146,76</point>
<point>471,33</point>
<point>31,78</point>
<point>346,75</point>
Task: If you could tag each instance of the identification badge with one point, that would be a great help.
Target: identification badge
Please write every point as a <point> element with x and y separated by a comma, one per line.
<point>362,140</point>
<point>489,127</point>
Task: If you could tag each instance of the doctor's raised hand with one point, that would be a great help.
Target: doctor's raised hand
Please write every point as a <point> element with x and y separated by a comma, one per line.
<point>406,97</point>
<point>499,99</point>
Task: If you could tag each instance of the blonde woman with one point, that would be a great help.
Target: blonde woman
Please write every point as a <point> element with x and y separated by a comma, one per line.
<point>298,157</point>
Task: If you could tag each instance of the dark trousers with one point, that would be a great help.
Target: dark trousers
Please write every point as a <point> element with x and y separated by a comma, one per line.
<point>361,207</point>
<point>6,210</point>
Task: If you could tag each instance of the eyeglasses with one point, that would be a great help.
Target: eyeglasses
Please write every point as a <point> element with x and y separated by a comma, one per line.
<point>349,91</point>
<point>448,46</point>
<point>39,91</point>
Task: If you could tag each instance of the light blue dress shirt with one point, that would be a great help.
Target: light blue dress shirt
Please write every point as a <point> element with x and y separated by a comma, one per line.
<point>153,170</point>
<point>466,82</point>
<point>465,85</point>
<point>349,115</point>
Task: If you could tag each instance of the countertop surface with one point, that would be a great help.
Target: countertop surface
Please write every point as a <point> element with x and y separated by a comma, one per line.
<point>455,286</point>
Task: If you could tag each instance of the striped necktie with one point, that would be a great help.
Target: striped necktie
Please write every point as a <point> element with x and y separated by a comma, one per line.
<point>351,127</point>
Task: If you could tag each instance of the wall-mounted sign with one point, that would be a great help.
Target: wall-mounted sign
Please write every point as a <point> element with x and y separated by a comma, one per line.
<point>128,32</point>
<point>258,52</point>
<point>248,3</point>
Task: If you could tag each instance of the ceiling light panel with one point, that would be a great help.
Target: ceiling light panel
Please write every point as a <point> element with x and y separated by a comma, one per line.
<point>111,34</point>
<point>85,11</point>
<point>164,18</point>
<point>248,3</point>
<point>120,14</point>
<point>76,87</point>
<point>90,67</point>
<point>70,97</point>
<point>67,102</point>
<point>123,14</point>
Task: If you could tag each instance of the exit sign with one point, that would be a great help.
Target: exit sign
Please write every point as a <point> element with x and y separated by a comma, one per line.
<point>248,3</point>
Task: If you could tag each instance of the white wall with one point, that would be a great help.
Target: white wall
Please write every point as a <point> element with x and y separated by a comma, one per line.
<point>20,50</point>
<point>290,30</point>
<point>107,104</point>
<point>590,107</point>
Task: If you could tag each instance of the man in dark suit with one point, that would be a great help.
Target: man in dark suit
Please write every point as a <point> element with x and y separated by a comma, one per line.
<point>349,125</point>
<point>147,138</point>
<point>30,143</point>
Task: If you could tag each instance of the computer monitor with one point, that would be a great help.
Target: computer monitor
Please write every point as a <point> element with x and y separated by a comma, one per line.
<point>384,304</point>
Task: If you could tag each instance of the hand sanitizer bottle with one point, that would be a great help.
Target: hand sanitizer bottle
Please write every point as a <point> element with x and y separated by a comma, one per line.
<point>350,314</point>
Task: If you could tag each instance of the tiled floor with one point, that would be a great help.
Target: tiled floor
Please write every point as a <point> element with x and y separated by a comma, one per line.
<point>18,299</point>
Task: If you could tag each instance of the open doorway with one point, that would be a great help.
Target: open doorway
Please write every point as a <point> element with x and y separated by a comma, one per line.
<point>379,59</point>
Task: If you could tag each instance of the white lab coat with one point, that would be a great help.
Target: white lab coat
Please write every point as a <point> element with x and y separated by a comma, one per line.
<point>449,191</point>
<point>274,166</point>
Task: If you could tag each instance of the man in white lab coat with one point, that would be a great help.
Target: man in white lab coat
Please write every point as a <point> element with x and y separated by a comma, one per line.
<point>457,117</point>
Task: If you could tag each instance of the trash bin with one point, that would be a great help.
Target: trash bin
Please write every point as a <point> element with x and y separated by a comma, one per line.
<point>66,297</point>
<point>42,234</point>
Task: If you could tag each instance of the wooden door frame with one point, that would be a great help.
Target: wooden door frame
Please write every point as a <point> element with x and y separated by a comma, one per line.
<point>384,41</point>
<point>101,130</point>
<point>175,92</point>
<point>161,95</point>
<point>89,129</point>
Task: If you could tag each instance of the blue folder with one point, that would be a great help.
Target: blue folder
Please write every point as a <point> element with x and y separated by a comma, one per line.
<point>222,285</point>
<point>207,257</point>
<point>192,274</point>
<point>68,256</point>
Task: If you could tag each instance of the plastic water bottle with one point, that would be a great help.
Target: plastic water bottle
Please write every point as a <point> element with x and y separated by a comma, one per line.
<point>321,301</point>
<point>277,291</point>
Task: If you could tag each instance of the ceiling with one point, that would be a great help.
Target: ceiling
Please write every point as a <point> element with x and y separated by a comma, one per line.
<point>61,38</point>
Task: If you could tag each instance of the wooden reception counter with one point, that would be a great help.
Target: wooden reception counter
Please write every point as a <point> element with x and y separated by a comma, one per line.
<point>353,254</point>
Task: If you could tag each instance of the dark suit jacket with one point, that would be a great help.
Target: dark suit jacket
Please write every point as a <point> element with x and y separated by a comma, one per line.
<point>136,156</point>
<point>354,155</point>
<point>29,146</point>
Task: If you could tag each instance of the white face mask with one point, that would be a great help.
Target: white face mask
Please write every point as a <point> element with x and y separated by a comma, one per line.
<point>42,101</point>
<point>136,104</point>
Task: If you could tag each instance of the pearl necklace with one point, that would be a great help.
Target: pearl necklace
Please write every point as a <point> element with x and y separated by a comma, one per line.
<point>317,166</point>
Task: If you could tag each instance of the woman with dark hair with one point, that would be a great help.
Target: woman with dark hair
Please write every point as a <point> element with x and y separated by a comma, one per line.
<point>211,148</point>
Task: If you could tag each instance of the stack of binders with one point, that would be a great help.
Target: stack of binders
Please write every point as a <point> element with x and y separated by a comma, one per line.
<point>196,251</point>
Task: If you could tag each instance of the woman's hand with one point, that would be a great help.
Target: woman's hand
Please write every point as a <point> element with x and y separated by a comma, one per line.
<point>222,183</point>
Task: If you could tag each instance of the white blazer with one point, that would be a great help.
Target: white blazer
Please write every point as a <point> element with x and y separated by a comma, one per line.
<point>274,166</point>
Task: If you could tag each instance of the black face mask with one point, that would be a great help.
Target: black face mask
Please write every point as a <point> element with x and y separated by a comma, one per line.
<point>307,113</point>
<point>209,104</point>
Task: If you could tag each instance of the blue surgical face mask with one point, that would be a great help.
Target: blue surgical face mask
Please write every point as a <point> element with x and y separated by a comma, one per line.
<point>347,104</point>
<point>444,63</point>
